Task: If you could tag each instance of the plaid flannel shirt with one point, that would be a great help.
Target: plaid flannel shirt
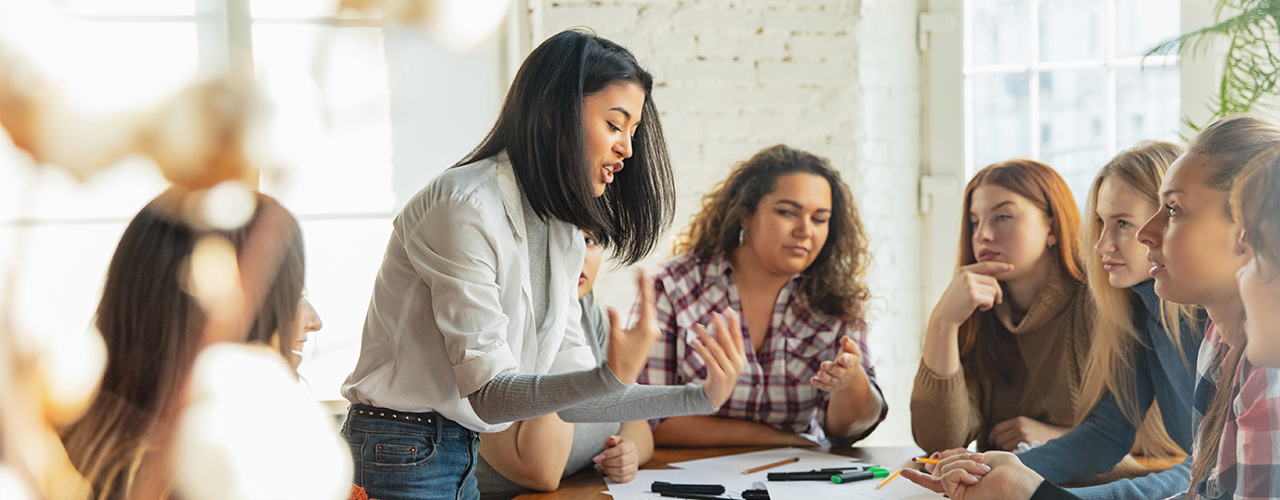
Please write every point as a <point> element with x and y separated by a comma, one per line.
<point>1248,463</point>
<point>774,387</point>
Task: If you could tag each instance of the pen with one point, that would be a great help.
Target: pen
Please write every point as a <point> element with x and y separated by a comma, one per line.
<point>676,488</point>
<point>772,465</point>
<point>694,496</point>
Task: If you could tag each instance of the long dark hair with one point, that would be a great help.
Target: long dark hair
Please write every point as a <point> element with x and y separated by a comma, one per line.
<point>1044,188</point>
<point>152,329</point>
<point>540,128</point>
<point>834,284</point>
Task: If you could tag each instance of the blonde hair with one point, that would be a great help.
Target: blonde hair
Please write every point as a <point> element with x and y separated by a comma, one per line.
<point>1111,367</point>
<point>1231,143</point>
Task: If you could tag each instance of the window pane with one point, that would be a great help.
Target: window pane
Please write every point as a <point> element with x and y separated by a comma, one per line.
<point>294,9</point>
<point>343,257</point>
<point>1073,125</point>
<point>1072,30</point>
<point>998,31</point>
<point>58,281</point>
<point>1147,104</point>
<point>131,7</point>
<point>1001,118</point>
<point>108,64</point>
<point>334,122</point>
<point>51,194</point>
<point>1141,24</point>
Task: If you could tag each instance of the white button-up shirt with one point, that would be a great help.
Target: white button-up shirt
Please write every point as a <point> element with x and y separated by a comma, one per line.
<point>452,304</point>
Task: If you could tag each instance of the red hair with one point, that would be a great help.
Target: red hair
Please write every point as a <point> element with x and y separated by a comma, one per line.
<point>1044,188</point>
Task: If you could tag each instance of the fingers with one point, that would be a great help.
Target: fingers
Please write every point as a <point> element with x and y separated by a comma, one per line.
<point>1006,435</point>
<point>923,479</point>
<point>621,456</point>
<point>956,484</point>
<point>735,331</point>
<point>970,466</point>
<point>716,344</point>
<point>615,321</point>
<point>941,468</point>
<point>648,312</point>
<point>988,268</point>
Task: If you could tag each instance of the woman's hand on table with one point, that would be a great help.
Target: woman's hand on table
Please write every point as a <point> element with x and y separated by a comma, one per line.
<point>1006,435</point>
<point>619,460</point>
<point>977,476</point>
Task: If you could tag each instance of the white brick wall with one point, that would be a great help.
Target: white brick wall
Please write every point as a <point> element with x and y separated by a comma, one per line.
<point>839,78</point>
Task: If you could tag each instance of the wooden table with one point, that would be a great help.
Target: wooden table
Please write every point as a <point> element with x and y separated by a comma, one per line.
<point>589,484</point>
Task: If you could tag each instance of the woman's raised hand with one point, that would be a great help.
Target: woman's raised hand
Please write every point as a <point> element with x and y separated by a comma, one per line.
<point>972,287</point>
<point>629,349</point>
<point>724,354</point>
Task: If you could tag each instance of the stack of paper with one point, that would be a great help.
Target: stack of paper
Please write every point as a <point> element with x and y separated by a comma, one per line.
<point>727,471</point>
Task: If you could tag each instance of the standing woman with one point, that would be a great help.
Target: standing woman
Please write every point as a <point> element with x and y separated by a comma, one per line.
<point>780,241</point>
<point>1141,379</point>
<point>1007,345</point>
<point>473,321</point>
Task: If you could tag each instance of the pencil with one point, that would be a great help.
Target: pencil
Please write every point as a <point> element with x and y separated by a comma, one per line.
<point>772,465</point>
<point>890,478</point>
<point>926,460</point>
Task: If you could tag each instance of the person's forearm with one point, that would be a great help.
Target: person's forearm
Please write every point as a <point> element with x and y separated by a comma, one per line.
<point>531,453</point>
<point>699,430</point>
<point>852,411</point>
<point>941,352</point>
<point>638,432</point>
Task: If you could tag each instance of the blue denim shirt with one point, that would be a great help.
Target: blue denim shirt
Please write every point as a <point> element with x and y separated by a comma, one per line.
<point>1098,444</point>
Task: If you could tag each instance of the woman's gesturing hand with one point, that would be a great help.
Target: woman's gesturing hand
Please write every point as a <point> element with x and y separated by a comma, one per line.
<point>629,349</point>
<point>724,354</point>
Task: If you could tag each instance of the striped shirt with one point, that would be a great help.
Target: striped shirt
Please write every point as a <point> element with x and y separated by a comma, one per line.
<point>774,387</point>
<point>1248,463</point>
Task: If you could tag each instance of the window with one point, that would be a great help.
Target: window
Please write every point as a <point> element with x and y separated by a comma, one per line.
<point>1065,83</point>
<point>328,80</point>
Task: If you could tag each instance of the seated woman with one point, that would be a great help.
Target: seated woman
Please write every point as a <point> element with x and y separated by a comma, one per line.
<point>1007,345</point>
<point>1199,247</point>
<point>536,454</point>
<point>1141,377</point>
<point>153,327</point>
<point>781,242</point>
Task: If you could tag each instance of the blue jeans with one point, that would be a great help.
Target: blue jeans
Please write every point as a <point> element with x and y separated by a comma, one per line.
<point>396,460</point>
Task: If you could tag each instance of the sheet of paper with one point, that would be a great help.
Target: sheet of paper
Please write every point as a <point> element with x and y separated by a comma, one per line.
<point>897,489</point>
<point>809,460</point>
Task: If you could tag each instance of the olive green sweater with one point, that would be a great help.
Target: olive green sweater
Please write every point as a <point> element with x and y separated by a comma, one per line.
<point>1049,348</point>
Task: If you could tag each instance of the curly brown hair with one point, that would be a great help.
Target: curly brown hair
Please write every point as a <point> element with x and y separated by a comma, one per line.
<point>834,284</point>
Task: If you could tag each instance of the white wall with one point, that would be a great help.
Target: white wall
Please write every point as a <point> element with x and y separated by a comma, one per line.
<point>839,78</point>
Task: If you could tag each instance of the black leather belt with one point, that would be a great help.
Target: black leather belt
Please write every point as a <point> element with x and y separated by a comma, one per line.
<point>424,418</point>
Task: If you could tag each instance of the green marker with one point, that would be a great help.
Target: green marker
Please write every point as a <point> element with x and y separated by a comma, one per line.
<point>872,473</point>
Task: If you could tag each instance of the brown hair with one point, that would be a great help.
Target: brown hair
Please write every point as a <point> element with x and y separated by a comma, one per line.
<point>1255,202</point>
<point>1115,338</point>
<point>1045,189</point>
<point>153,328</point>
<point>1230,143</point>
<point>834,284</point>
